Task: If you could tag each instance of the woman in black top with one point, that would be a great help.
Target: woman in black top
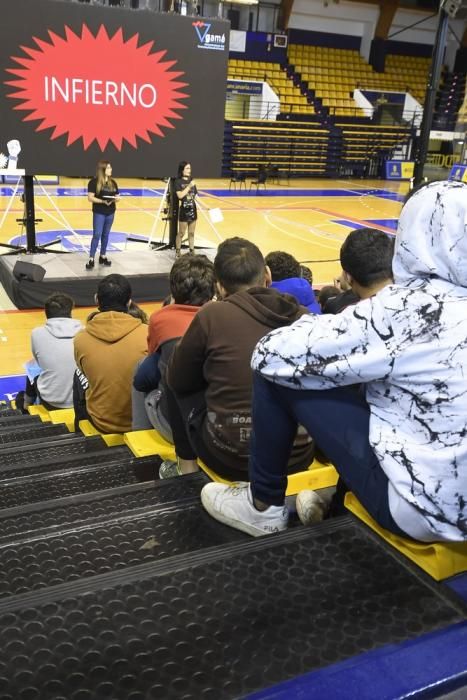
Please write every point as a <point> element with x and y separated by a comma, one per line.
<point>103,193</point>
<point>186,192</point>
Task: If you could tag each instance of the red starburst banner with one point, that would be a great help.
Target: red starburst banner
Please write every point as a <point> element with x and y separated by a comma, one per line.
<point>97,87</point>
<point>81,82</point>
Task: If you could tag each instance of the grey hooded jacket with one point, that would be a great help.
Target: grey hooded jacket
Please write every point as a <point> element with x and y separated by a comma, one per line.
<point>52,348</point>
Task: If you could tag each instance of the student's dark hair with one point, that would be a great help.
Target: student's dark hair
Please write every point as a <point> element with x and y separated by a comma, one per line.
<point>326,293</point>
<point>366,255</point>
<point>58,305</point>
<point>181,167</point>
<point>282,265</point>
<point>113,293</point>
<point>239,263</point>
<point>306,274</point>
<point>192,280</point>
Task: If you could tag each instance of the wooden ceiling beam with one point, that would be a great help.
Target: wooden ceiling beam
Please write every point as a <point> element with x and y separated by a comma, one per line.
<point>284,14</point>
<point>387,12</point>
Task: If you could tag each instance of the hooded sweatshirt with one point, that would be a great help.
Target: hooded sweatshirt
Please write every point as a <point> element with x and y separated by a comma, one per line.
<point>169,322</point>
<point>300,289</point>
<point>52,348</point>
<point>214,355</point>
<point>107,351</point>
<point>408,343</point>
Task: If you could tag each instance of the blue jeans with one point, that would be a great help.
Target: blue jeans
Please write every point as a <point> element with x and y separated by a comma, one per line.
<point>101,224</point>
<point>338,419</point>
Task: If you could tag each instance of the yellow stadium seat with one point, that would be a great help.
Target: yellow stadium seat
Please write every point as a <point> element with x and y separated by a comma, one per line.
<point>439,559</point>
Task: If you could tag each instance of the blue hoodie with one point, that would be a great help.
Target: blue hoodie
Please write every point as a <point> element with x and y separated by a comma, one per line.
<point>301,290</point>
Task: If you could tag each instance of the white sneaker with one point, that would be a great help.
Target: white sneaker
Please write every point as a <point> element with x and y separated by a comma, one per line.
<point>233,505</point>
<point>311,508</point>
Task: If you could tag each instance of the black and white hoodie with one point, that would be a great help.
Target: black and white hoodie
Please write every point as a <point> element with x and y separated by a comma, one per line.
<point>408,344</point>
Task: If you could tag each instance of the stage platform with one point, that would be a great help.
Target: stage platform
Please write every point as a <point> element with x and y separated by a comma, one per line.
<point>147,270</point>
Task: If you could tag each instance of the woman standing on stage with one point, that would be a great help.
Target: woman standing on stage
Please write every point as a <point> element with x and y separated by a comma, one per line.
<point>103,193</point>
<point>186,192</point>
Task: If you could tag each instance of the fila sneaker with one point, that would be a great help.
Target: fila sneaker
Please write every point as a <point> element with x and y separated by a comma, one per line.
<point>233,505</point>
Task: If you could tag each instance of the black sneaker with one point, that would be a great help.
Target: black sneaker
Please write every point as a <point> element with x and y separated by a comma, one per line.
<point>90,264</point>
<point>19,401</point>
<point>104,261</point>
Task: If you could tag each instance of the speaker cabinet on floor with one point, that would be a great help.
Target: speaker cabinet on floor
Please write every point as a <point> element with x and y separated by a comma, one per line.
<point>28,271</point>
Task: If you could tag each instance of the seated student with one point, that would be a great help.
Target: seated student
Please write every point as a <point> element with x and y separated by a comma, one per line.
<point>107,351</point>
<point>209,373</point>
<point>403,451</point>
<point>191,285</point>
<point>366,259</point>
<point>52,349</point>
<point>345,297</point>
<point>329,291</point>
<point>286,276</point>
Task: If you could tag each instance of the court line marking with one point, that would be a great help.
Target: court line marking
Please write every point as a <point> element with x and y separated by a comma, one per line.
<point>300,238</point>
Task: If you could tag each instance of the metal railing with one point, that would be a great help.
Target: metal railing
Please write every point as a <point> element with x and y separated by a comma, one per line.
<point>254,109</point>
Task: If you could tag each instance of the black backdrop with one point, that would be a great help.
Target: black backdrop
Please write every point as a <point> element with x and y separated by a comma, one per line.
<point>196,48</point>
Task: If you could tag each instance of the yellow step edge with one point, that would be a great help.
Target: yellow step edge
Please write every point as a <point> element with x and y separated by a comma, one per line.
<point>64,415</point>
<point>440,560</point>
<point>317,476</point>
<point>41,411</point>
<point>110,439</point>
<point>144,443</point>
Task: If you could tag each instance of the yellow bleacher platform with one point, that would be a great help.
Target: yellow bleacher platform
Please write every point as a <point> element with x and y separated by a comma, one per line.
<point>144,443</point>
<point>64,415</point>
<point>440,560</point>
<point>110,439</point>
<point>317,476</point>
<point>39,410</point>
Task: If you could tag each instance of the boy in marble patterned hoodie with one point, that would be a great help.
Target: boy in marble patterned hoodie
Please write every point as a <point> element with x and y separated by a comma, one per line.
<point>403,450</point>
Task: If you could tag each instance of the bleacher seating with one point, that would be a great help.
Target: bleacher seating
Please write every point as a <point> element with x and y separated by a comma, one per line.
<point>291,98</point>
<point>365,146</point>
<point>115,587</point>
<point>333,74</point>
<point>301,149</point>
<point>336,140</point>
<point>294,148</point>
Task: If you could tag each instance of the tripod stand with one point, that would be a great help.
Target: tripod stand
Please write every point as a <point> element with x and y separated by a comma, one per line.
<point>168,206</point>
<point>29,221</point>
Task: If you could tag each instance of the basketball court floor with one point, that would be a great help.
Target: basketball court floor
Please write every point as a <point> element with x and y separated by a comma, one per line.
<point>307,218</point>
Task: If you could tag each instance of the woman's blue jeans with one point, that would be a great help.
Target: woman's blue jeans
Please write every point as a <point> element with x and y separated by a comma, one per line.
<point>338,420</point>
<point>101,224</point>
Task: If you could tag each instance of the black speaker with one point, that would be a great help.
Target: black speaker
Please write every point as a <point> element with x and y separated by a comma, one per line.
<point>28,271</point>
